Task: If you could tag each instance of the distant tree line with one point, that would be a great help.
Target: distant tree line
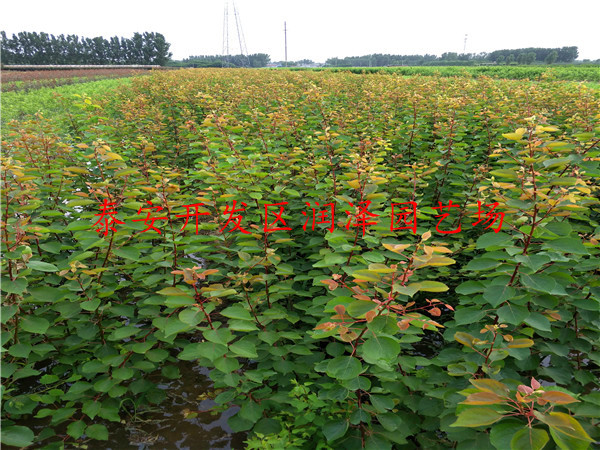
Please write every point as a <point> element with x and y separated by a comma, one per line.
<point>42,48</point>
<point>254,60</point>
<point>516,56</point>
<point>532,54</point>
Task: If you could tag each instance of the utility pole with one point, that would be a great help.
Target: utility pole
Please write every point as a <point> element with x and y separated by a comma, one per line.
<point>285,40</point>
<point>465,47</point>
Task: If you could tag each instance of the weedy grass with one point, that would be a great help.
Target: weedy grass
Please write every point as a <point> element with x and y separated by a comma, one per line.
<point>472,323</point>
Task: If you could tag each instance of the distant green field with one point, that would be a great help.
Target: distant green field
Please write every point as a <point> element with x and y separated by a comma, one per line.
<point>51,102</point>
<point>565,73</point>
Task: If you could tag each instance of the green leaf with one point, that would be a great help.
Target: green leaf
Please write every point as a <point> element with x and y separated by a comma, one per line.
<point>472,314</point>
<point>242,325</point>
<point>209,350</point>
<point>98,432</point>
<point>429,286</point>
<point>482,264</point>
<point>42,266</point>
<point>542,283</point>
<point>567,245</point>
<point>7,312</point>
<point>380,348</point>
<point>497,294</point>
<point>76,429</point>
<point>220,336</point>
<point>236,312</point>
<point>534,262</point>
<point>389,421</point>
<point>564,442</point>
<point>175,326</point>
<point>20,350</point>
<point>91,408</point>
<point>62,414</point>
<point>46,294</point>
<point>538,321</point>
<point>382,403</point>
<point>377,442</point>
<point>344,367</point>
<point>331,259</point>
<point>34,324</point>
<point>227,365</point>
<point>502,433</point>
<point>335,429</point>
<point>90,305</point>
<point>16,436</point>
<point>244,348</point>
<point>493,240</point>
<point>476,417</point>
<point>123,373</point>
<point>17,286</point>
<point>251,411</point>
<point>529,439</point>
<point>132,253</point>
<point>191,316</point>
<point>360,308</point>
<point>564,424</point>
<point>470,287</point>
<point>123,333</point>
<point>512,314</point>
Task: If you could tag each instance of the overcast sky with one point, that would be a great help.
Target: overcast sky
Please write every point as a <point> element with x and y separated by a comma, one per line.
<point>319,29</point>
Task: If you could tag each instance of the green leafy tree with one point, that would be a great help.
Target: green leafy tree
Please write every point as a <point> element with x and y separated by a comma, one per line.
<point>552,57</point>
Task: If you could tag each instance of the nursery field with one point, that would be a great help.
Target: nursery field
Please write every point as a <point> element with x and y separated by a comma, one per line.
<point>26,80</point>
<point>355,261</point>
<point>589,73</point>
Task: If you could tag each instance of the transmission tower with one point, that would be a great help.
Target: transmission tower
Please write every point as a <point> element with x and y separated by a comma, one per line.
<point>226,53</point>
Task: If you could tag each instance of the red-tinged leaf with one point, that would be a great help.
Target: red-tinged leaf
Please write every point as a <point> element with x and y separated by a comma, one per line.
<point>340,309</point>
<point>404,324</point>
<point>489,385</point>
<point>449,307</point>
<point>477,417</point>
<point>370,315</point>
<point>535,384</point>
<point>331,284</point>
<point>525,389</point>
<point>362,297</point>
<point>559,398</point>
<point>209,272</point>
<point>435,312</point>
<point>483,398</point>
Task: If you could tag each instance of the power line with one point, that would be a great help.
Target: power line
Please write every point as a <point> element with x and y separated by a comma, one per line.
<point>226,51</point>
